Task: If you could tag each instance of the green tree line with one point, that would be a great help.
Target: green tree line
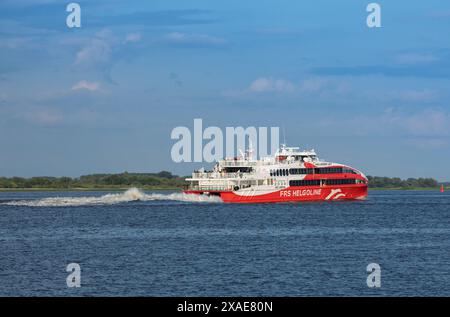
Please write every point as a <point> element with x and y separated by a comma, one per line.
<point>166,179</point>
<point>162,179</point>
<point>395,182</point>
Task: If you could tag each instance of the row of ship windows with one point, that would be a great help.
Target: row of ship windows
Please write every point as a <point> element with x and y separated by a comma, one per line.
<point>322,170</point>
<point>317,182</point>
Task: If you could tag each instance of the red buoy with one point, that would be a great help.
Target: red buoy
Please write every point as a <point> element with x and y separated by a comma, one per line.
<point>442,188</point>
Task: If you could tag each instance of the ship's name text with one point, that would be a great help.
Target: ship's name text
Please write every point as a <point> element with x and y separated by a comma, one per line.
<point>300,192</point>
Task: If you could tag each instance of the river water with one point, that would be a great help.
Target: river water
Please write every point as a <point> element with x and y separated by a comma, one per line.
<point>169,244</point>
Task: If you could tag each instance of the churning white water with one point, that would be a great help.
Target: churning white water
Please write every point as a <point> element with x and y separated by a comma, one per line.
<point>132,194</point>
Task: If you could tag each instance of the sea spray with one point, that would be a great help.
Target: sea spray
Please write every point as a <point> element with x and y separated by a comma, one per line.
<point>132,194</point>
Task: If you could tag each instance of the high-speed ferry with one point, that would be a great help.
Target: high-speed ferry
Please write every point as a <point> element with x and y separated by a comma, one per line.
<point>290,175</point>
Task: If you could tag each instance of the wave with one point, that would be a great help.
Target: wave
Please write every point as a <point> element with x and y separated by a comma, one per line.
<point>132,194</point>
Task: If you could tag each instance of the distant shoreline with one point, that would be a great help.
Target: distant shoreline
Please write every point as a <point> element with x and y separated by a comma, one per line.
<point>87,189</point>
<point>165,180</point>
<point>407,188</point>
<point>118,189</point>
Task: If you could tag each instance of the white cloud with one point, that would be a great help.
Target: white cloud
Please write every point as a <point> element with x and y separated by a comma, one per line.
<point>279,31</point>
<point>133,37</point>
<point>429,143</point>
<point>428,127</point>
<point>312,85</point>
<point>47,117</point>
<point>14,43</point>
<point>416,58</point>
<point>178,38</point>
<point>98,50</point>
<point>264,84</point>
<point>427,122</point>
<point>83,84</point>
<point>42,115</point>
<point>424,125</point>
<point>423,95</point>
<point>25,3</point>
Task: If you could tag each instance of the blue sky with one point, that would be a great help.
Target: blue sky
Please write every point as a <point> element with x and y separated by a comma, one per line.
<point>105,97</point>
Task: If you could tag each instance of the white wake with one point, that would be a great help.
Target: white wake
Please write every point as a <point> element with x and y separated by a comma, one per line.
<point>132,194</point>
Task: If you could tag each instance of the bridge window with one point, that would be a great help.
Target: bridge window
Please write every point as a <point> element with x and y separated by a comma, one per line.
<point>242,169</point>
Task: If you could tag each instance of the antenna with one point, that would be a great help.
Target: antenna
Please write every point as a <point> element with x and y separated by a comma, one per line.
<point>284,135</point>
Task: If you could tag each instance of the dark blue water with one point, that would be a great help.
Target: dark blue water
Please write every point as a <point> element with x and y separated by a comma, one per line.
<point>177,248</point>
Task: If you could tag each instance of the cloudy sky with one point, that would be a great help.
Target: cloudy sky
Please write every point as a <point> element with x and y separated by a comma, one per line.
<point>105,97</point>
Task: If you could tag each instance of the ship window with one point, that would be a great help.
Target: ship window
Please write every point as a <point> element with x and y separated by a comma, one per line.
<point>329,170</point>
<point>241,169</point>
<point>303,182</point>
<point>295,171</point>
<point>346,181</point>
<point>316,182</point>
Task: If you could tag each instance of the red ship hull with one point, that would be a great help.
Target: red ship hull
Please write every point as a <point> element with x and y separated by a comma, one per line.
<point>292,194</point>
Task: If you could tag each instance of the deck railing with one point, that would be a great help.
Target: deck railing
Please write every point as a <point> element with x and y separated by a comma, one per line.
<point>238,163</point>
<point>210,188</point>
<point>217,175</point>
